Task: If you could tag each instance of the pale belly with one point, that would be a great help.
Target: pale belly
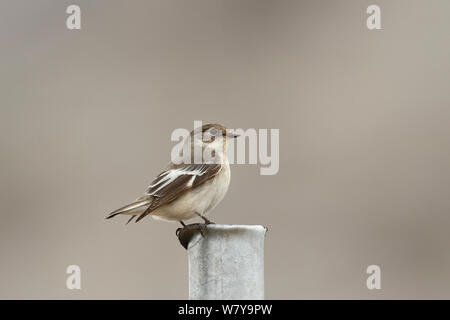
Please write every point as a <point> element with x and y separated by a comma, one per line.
<point>202,199</point>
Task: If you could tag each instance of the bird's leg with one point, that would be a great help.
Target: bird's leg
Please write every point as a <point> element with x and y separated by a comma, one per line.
<point>182,223</point>
<point>207,221</point>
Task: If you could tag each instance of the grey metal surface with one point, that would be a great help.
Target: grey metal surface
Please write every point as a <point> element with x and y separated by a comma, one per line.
<point>227,262</point>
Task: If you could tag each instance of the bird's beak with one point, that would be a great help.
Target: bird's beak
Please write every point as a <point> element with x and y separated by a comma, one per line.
<point>232,135</point>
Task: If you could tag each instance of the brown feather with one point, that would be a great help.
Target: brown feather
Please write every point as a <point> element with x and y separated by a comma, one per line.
<point>178,187</point>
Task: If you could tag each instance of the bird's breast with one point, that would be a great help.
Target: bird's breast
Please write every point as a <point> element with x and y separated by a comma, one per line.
<point>220,186</point>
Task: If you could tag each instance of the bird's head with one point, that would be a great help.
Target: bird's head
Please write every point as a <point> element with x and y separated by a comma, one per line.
<point>212,136</point>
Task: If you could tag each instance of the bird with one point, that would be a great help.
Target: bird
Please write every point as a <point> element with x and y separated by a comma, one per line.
<point>191,188</point>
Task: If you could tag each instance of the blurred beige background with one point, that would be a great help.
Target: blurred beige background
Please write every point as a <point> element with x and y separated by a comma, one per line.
<point>364,119</point>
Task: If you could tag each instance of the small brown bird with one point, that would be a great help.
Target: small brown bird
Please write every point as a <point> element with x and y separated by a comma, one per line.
<point>187,190</point>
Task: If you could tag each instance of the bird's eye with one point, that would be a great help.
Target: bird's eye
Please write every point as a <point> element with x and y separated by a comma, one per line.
<point>208,137</point>
<point>213,132</point>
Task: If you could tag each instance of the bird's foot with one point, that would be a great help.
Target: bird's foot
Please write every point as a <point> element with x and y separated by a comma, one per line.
<point>208,221</point>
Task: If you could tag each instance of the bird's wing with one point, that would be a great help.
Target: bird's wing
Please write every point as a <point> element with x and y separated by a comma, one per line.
<point>175,181</point>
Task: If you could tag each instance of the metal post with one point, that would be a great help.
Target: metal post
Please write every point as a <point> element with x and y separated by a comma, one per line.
<point>227,262</point>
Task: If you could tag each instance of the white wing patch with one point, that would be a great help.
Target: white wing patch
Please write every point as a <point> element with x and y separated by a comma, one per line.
<point>169,176</point>
<point>191,181</point>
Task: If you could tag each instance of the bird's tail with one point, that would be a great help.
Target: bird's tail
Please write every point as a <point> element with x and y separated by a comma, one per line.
<point>135,208</point>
